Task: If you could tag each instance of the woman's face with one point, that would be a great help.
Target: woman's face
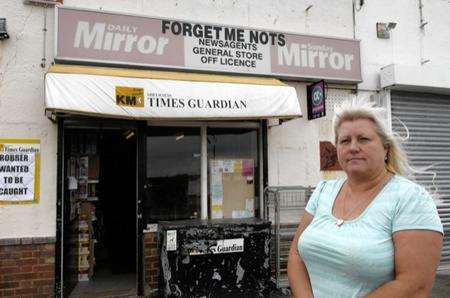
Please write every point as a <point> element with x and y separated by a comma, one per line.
<point>359,148</point>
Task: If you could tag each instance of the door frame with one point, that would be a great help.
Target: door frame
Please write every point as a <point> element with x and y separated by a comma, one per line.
<point>141,160</point>
<point>99,124</point>
<point>59,260</point>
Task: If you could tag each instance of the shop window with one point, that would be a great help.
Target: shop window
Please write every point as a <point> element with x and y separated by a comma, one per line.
<point>233,173</point>
<point>173,173</point>
<point>174,162</point>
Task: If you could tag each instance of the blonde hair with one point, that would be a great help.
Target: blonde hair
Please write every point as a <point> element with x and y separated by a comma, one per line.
<point>396,159</point>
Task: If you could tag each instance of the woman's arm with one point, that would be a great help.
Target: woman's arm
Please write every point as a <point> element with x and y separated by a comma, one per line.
<point>297,273</point>
<point>417,255</point>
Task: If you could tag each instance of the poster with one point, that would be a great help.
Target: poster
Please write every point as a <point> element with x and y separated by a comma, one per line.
<point>82,189</point>
<point>231,188</point>
<point>247,167</point>
<point>19,171</point>
<point>83,165</point>
<point>216,187</point>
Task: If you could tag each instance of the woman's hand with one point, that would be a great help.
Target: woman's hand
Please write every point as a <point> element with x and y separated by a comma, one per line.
<point>417,255</point>
<point>297,272</point>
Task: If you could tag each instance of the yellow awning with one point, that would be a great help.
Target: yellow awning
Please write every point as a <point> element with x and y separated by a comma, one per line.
<point>163,75</point>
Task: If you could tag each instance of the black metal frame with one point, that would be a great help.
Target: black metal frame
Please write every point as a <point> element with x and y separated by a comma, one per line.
<point>141,174</point>
<point>265,156</point>
<point>100,123</point>
<point>59,210</point>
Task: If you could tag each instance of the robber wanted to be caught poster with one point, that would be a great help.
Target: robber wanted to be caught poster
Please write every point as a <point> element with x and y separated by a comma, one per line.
<point>19,171</point>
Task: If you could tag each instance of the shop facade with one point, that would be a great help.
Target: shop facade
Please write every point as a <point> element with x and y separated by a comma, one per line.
<point>119,168</point>
<point>184,138</point>
<point>200,139</point>
<point>144,172</point>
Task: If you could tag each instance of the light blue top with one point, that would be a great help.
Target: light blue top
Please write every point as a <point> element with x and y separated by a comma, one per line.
<point>356,258</point>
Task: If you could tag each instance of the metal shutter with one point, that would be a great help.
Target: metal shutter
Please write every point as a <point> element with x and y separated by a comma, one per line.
<point>427,117</point>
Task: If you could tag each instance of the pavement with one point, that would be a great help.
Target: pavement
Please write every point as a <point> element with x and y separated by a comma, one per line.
<point>441,287</point>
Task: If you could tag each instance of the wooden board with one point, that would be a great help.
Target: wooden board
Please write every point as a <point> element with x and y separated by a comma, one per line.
<point>236,190</point>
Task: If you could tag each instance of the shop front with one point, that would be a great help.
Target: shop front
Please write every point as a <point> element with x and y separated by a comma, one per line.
<point>166,169</point>
<point>124,168</point>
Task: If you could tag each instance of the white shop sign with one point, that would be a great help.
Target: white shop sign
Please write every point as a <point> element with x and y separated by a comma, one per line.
<point>141,98</point>
<point>114,38</point>
<point>228,246</point>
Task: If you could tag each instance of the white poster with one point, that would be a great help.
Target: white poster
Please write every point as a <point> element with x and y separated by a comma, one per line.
<point>171,240</point>
<point>216,186</point>
<point>19,171</point>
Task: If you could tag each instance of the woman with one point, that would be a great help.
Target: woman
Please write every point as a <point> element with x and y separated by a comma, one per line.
<point>373,234</point>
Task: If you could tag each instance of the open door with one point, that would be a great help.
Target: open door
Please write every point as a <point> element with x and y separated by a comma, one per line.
<point>99,234</point>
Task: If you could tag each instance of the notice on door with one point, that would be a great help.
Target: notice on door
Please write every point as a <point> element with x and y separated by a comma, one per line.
<point>19,171</point>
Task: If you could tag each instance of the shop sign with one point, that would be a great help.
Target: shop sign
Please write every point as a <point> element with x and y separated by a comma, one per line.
<point>206,247</point>
<point>130,97</point>
<point>228,246</point>
<point>112,38</point>
<point>152,98</point>
<point>316,100</point>
<point>19,171</point>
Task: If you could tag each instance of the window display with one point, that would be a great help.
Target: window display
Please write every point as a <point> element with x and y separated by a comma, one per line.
<point>174,172</point>
<point>232,188</point>
<point>233,156</point>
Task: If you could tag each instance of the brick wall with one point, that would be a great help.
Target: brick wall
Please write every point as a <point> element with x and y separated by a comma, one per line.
<point>27,267</point>
<point>151,260</point>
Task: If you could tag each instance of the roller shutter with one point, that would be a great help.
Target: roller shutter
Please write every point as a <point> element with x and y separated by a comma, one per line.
<point>427,117</point>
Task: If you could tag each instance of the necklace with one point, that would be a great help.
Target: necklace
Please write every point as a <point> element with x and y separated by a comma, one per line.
<point>340,221</point>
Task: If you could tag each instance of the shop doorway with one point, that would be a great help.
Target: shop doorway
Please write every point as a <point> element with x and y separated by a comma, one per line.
<point>99,247</point>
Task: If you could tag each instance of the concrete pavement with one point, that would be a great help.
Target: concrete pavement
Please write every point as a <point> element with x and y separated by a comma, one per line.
<point>441,287</point>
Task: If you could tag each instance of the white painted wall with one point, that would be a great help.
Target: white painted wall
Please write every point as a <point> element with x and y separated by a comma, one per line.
<point>408,44</point>
<point>22,113</point>
<point>293,146</point>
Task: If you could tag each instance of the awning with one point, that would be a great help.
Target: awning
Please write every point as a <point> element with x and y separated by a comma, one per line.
<point>141,94</point>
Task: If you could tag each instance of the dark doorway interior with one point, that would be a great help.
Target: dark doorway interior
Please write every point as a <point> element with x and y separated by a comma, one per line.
<point>118,199</point>
<point>100,213</point>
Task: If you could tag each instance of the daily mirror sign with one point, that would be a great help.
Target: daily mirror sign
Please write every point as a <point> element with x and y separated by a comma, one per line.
<point>111,38</point>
